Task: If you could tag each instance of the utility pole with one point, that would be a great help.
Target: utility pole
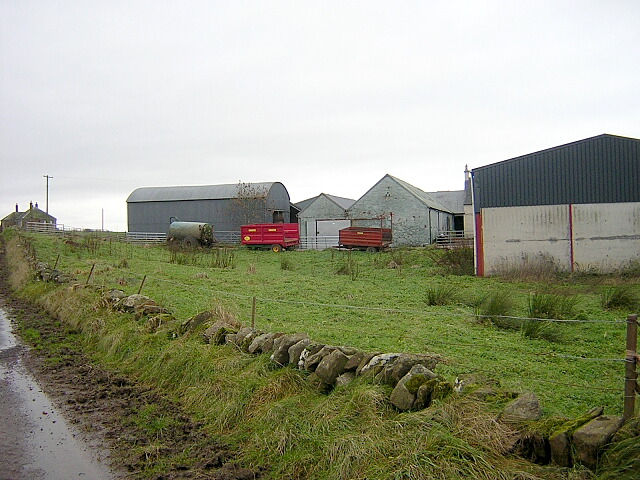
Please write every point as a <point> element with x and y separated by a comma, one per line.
<point>47,204</point>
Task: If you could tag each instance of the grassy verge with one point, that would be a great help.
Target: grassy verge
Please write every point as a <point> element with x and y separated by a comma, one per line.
<point>276,420</point>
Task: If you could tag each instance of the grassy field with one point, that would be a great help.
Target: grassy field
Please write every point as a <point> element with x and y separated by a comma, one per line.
<point>398,301</point>
<point>272,420</point>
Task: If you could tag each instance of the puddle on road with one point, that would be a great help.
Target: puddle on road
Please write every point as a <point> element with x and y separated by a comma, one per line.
<point>36,442</point>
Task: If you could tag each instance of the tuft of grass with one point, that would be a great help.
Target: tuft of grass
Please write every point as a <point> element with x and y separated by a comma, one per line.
<point>440,295</point>
<point>350,267</point>
<point>286,263</point>
<point>621,461</point>
<point>223,314</point>
<point>540,329</point>
<point>152,421</point>
<point>123,263</point>
<point>619,297</point>
<point>495,307</point>
<point>223,258</point>
<point>548,305</point>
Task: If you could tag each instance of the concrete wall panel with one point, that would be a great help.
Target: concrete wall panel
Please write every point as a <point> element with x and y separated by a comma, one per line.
<point>514,235</point>
<point>602,237</point>
<point>606,236</point>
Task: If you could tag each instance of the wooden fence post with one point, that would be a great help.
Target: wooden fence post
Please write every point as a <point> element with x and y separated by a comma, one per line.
<point>253,313</point>
<point>90,273</point>
<point>631,387</point>
<point>141,284</point>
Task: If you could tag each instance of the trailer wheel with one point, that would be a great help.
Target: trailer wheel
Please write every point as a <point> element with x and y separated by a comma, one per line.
<point>276,248</point>
<point>190,242</point>
<point>372,249</point>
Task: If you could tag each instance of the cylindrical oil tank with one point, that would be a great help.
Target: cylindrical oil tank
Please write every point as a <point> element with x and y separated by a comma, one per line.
<point>190,232</point>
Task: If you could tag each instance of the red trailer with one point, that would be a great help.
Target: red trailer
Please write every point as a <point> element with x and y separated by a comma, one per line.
<point>276,236</point>
<point>370,239</point>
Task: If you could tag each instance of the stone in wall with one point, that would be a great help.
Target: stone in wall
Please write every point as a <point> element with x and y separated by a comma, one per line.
<point>403,396</point>
<point>524,408</point>
<point>590,439</point>
<point>332,366</point>
<point>281,347</point>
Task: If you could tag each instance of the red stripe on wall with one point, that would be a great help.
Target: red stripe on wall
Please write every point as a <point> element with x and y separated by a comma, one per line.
<point>479,246</point>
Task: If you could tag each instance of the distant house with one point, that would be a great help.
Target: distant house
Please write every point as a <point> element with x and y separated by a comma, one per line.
<point>226,207</point>
<point>414,216</point>
<point>321,217</point>
<point>21,219</point>
<point>575,205</point>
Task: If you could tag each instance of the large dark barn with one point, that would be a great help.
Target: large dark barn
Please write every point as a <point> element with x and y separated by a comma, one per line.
<point>226,207</point>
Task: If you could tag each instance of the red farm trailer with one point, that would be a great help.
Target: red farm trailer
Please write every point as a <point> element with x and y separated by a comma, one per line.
<point>370,239</point>
<point>276,236</point>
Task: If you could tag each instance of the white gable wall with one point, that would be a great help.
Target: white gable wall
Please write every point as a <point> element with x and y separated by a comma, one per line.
<point>412,222</point>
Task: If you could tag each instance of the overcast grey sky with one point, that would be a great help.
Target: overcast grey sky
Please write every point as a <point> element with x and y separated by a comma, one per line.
<point>323,96</point>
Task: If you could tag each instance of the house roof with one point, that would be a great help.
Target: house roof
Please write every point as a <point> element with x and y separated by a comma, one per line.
<point>194,192</point>
<point>600,169</point>
<point>452,200</point>
<point>424,197</point>
<point>342,202</point>
<point>565,146</point>
<point>302,204</point>
<point>33,212</point>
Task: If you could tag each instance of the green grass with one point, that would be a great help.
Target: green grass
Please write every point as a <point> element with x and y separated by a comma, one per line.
<point>620,297</point>
<point>274,416</point>
<point>357,299</point>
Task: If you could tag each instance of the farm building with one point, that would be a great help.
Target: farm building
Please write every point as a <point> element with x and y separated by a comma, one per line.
<point>20,219</point>
<point>321,217</point>
<point>226,207</point>
<point>414,216</point>
<point>576,206</point>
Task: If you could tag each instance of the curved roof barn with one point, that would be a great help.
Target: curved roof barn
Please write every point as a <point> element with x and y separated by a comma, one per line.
<point>226,207</point>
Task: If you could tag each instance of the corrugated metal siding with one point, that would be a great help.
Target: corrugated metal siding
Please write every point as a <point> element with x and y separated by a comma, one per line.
<point>224,213</point>
<point>602,169</point>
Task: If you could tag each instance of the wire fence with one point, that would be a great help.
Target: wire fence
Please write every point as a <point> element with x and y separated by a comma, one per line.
<point>471,347</point>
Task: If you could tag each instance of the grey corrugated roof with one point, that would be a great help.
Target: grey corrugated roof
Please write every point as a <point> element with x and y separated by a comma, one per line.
<point>343,202</point>
<point>453,200</point>
<point>421,195</point>
<point>340,201</point>
<point>600,169</point>
<point>194,192</point>
<point>302,204</point>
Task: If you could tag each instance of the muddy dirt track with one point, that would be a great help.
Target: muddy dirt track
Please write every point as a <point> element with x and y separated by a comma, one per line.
<point>105,407</point>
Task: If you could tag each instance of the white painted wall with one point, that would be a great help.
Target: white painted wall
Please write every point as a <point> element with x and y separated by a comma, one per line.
<point>601,237</point>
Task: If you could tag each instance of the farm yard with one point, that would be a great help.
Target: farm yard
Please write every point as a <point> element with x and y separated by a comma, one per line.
<point>559,336</point>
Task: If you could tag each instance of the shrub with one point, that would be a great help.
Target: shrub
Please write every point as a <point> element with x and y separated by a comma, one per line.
<point>458,261</point>
<point>619,296</point>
